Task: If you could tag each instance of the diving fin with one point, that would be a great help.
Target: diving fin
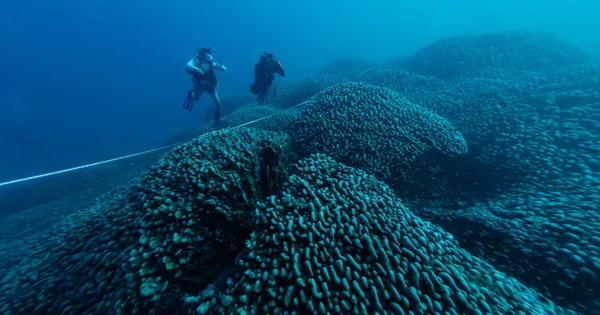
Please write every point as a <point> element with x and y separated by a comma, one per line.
<point>188,103</point>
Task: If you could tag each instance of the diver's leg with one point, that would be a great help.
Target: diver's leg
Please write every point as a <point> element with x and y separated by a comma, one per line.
<point>198,90</point>
<point>215,96</point>
<point>260,97</point>
<point>196,95</point>
<point>264,89</point>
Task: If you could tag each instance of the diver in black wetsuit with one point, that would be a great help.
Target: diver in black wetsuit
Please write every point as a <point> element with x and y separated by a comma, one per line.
<point>264,74</point>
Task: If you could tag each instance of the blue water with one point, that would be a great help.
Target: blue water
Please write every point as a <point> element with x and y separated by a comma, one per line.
<point>98,79</point>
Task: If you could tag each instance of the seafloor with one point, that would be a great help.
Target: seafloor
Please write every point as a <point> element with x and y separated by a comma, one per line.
<point>464,179</point>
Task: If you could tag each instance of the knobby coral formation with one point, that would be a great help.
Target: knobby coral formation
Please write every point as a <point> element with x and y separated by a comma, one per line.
<point>171,234</point>
<point>337,241</point>
<point>509,52</point>
<point>373,128</point>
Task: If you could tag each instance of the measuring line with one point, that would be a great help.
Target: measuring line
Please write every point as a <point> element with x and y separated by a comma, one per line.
<point>84,166</point>
<point>132,155</point>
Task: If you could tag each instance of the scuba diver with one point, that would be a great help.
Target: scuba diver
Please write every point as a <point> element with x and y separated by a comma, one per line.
<point>202,69</point>
<point>264,74</point>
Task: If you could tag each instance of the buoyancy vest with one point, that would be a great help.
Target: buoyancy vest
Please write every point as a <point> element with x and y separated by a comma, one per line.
<point>207,80</point>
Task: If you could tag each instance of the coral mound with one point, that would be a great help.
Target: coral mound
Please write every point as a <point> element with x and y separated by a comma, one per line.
<point>373,128</point>
<point>173,233</point>
<point>337,241</point>
<point>485,55</point>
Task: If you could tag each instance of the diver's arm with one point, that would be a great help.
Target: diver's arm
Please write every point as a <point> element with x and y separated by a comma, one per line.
<point>219,66</point>
<point>190,65</point>
<point>279,68</point>
<point>257,70</point>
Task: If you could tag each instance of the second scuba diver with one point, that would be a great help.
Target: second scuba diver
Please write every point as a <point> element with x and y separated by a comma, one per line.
<point>264,74</point>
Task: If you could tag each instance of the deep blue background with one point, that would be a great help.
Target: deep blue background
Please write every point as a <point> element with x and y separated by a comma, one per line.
<point>86,80</point>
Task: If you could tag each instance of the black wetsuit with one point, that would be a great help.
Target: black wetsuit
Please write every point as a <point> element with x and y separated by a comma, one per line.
<point>264,74</point>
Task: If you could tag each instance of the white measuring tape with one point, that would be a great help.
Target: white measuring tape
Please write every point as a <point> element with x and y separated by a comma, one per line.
<point>133,155</point>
